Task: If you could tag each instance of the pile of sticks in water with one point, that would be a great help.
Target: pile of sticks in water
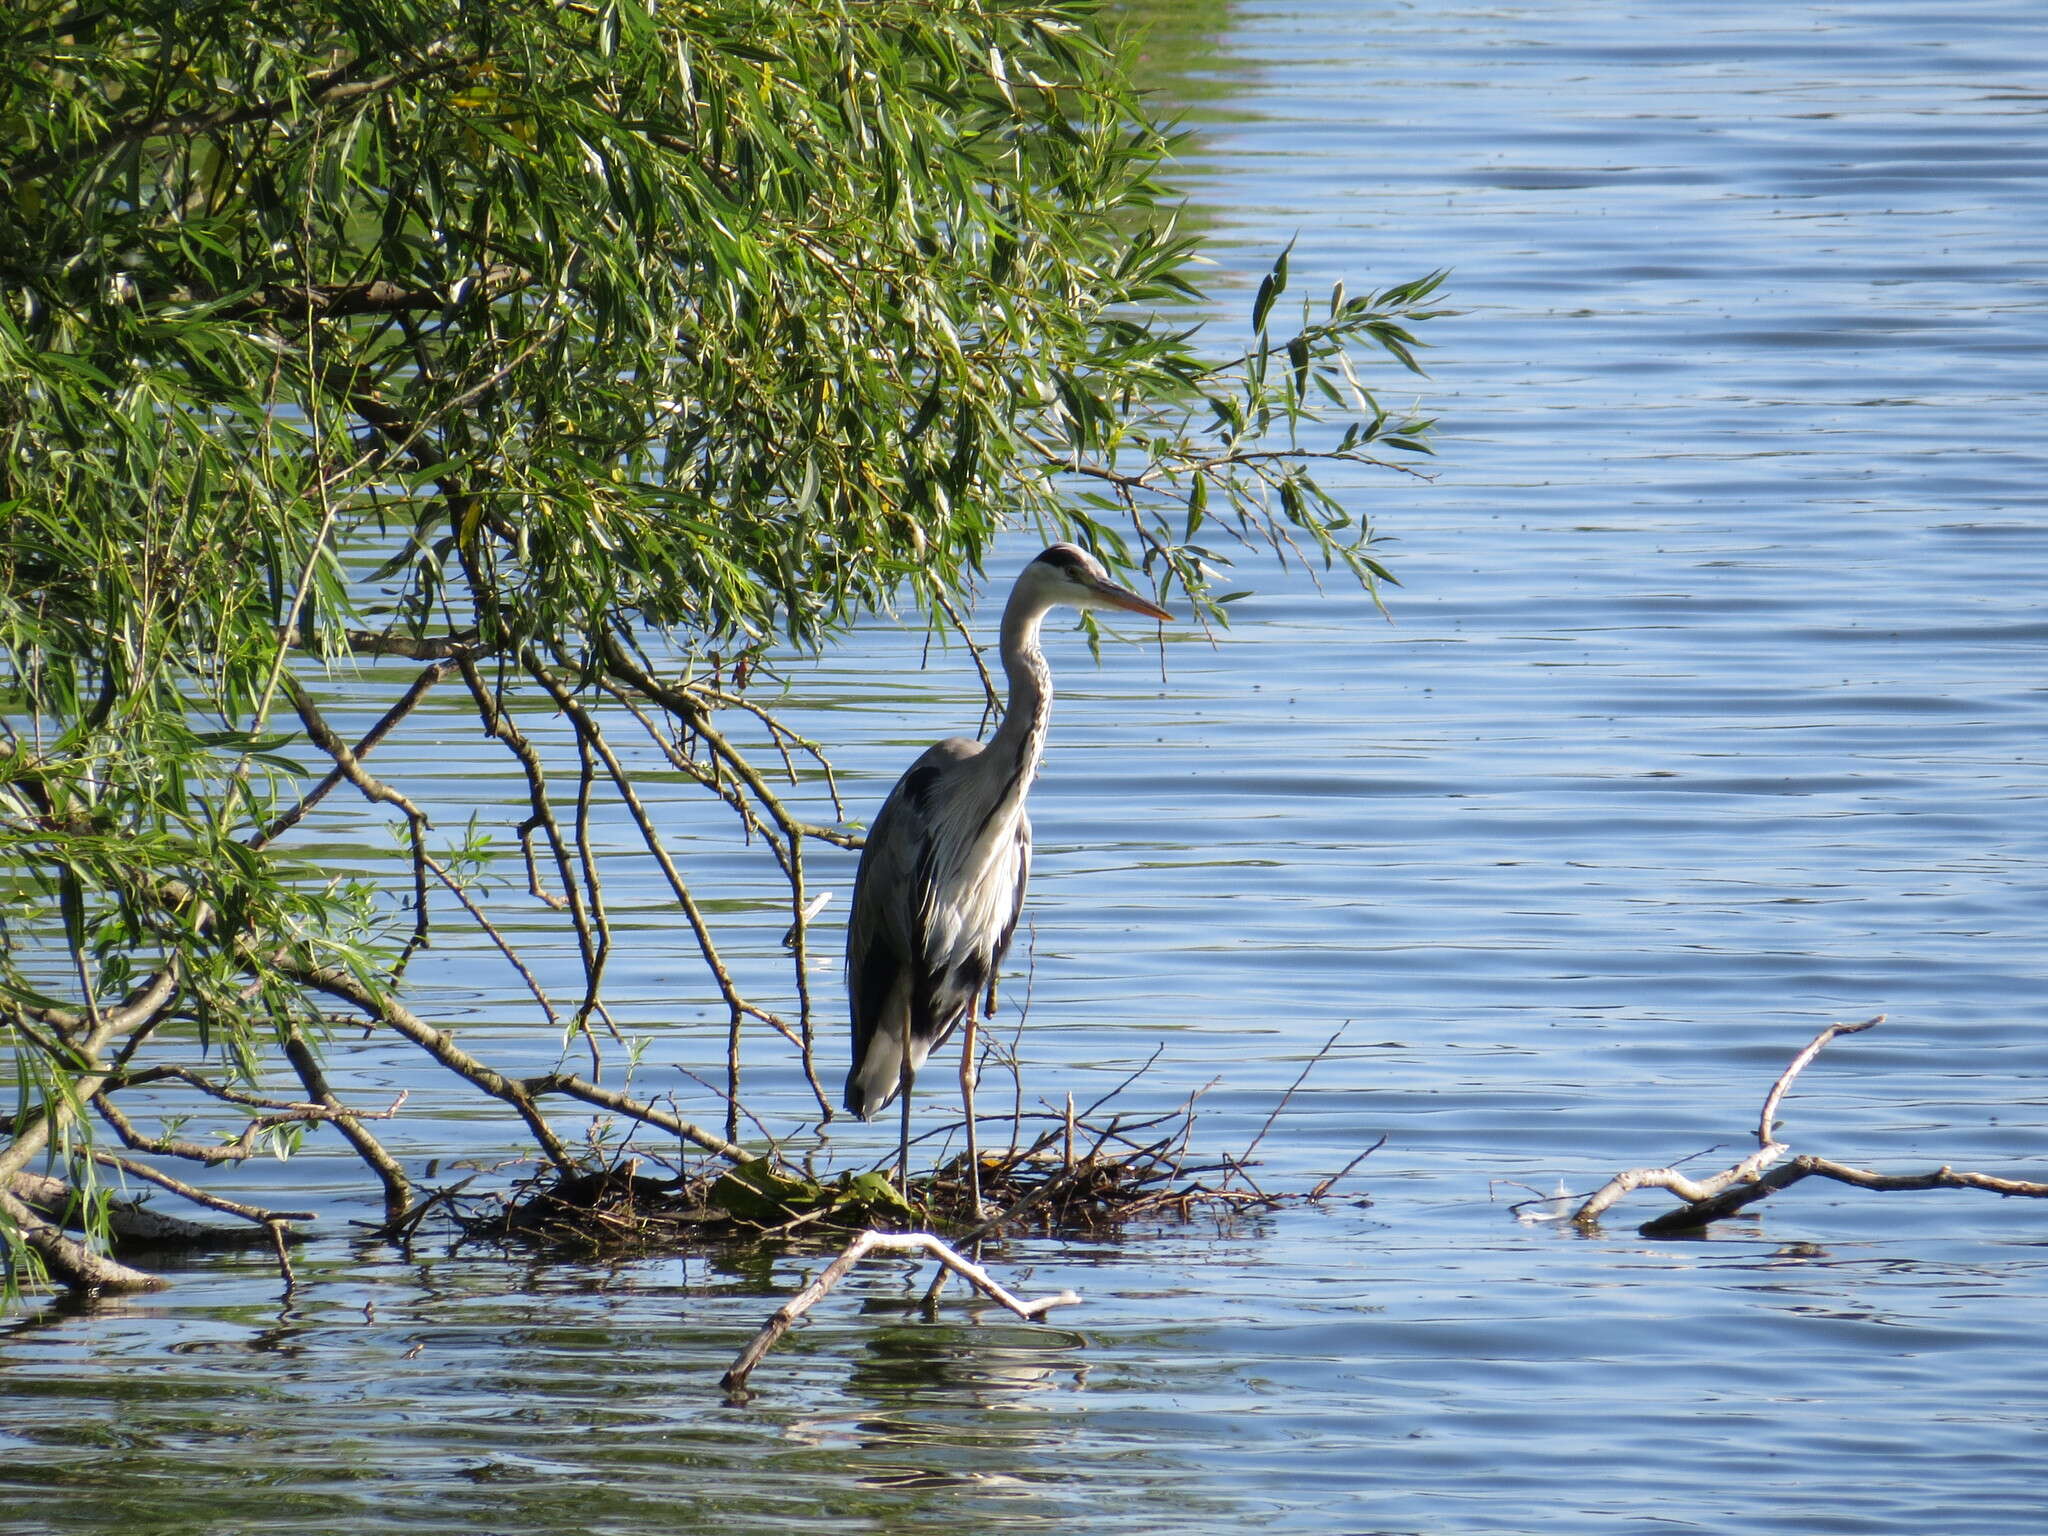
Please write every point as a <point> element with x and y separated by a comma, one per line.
<point>1084,1178</point>
<point>1076,1178</point>
<point>1081,1173</point>
<point>594,1210</point>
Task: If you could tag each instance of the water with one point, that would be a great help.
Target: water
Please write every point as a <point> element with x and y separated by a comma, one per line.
<point>1711,711</point>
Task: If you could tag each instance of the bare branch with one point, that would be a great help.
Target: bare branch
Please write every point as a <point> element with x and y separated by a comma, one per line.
<point>407,702</point>
<point>1710,1199</point>
<point>1814,1047</point>
<point>397,1188</point>
<point>661,1119</point>
<point>455,889</point>
<point>735,1378</point>
<point>697,716</point>
<point>387,1010</point>
<point>197,1196</point>
<point>498,723</point>
<point>375,790</point>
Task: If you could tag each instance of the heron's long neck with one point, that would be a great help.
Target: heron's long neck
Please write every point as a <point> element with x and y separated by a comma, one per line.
<point>1020,738</point>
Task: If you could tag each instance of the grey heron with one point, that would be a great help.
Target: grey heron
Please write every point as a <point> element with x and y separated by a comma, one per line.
<point>941,880</point>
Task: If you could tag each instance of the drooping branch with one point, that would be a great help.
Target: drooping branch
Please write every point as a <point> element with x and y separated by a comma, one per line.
<point>375,790</point>
<point>397,1187</point>
<point>694,712</point>
<point>520,1093</point>
<point>325,1109</point>
<point>490,929</point>
<point>592,738</point>
<point>541,815</point>
<point>139,1011</point>
<point>198,1196</point>
<point>628,684</point>
<point>336,87</point>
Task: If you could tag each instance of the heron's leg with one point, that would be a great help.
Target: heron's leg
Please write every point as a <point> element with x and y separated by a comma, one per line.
<point>967,1076</point>
<point>906,1078</point>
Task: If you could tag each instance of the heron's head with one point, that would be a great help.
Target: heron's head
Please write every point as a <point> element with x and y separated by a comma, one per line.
<point>1068,574</point>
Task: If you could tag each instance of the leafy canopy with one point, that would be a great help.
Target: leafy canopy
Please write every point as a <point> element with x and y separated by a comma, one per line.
<point>523,332</point>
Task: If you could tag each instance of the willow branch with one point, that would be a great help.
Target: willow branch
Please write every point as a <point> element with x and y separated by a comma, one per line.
<point>197,1196</point>
<point>394,1015</point>
<point>542,814</point>
<point>683,763</point>
<point>789,854</point>
<point>407,702</point>
<point>634,1109</point>
<point>455,888</point>
<point>335,88</point>
<point>138,1012</point>
<point>593,882</point>
<point>521,1094</point>
<point>397,1187</point>
<point>335,301</point>
<point>589,731</point>
<point>376,791</point>
<point>992,700</point>
<point>53,1199</point>
<point>697,716</point>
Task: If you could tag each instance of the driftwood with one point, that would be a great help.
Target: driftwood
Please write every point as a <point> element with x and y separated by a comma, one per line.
<point>1766,1171</point>
<point>735,1379</point>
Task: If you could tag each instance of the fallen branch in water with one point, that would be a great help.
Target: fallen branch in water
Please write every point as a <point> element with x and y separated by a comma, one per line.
<point>67,1261</point>
<point>735,1379</point>
<point>1755,1177</point>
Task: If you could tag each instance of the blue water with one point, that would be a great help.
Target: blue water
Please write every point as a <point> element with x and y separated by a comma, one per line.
<point>1711,709</point>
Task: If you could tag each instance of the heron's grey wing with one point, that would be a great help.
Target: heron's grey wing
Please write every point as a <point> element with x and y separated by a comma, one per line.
<point>878,933</point>
<point>886,964</point>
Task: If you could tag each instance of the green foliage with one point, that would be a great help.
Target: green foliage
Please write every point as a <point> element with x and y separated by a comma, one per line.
<point>529,331</point>
<point>758,1194</point>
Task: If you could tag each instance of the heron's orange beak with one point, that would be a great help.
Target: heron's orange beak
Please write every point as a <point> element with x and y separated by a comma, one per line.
<point>1124,597</point>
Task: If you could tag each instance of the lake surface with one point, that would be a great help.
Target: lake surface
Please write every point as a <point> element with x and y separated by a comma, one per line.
<point>1711,710</point>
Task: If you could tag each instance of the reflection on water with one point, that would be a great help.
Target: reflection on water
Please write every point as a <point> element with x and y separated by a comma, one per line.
<point>1711,709</point>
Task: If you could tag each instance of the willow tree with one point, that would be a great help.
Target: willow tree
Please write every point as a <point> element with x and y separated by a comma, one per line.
<point>573,357</point>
